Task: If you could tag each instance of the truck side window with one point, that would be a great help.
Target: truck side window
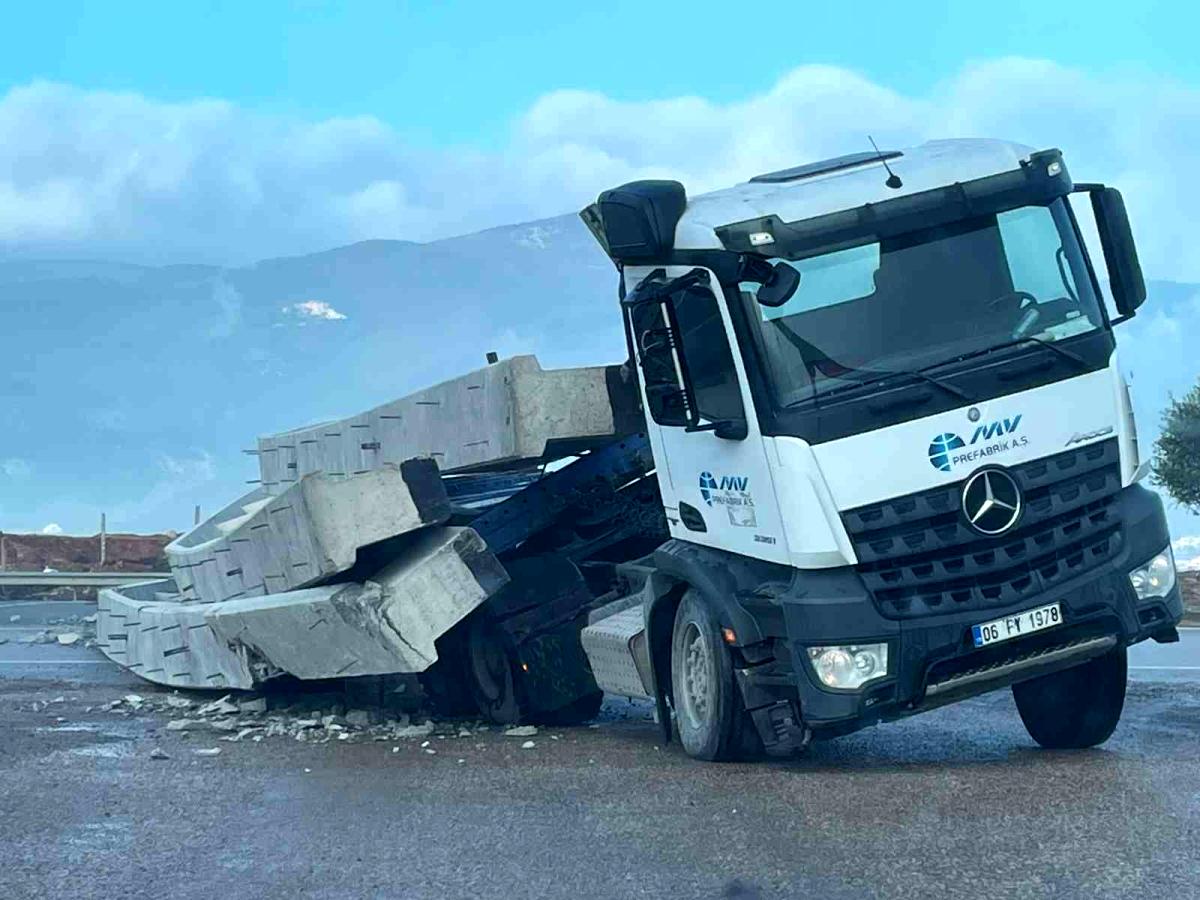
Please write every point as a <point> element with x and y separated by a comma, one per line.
<point>708,354</point>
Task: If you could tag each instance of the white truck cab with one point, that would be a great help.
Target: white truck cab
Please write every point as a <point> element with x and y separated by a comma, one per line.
<point>895,452</point>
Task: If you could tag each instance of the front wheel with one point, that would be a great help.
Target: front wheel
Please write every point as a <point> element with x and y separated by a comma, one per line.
<point>708,710</point>
<point>1078,707</point>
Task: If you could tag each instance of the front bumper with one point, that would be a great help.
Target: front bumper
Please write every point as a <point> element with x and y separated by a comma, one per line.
<point>934,660</point>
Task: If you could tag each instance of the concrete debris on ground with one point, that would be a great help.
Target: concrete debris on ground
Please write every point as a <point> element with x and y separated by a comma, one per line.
<point>222,706</point>
<point>158,753</point>
<point>309,718</point>
<point>528,745</point>
<point>522,731</point>
<point>70,631</point>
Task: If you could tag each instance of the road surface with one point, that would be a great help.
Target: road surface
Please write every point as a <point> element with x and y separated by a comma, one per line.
<point>955,803</point>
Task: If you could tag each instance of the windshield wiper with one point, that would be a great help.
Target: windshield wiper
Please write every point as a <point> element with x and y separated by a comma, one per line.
<point>1016,342</point>
<point>876,376</point>
<point>815,360</point>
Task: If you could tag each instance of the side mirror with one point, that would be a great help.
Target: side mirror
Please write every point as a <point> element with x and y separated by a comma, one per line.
<point>779,286</point>
<point>1120,252</point>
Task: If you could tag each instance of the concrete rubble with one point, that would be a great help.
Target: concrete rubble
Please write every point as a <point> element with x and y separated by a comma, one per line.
<point>315,719</point>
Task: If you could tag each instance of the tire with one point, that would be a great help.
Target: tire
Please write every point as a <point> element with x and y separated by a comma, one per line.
<point>708,710</point>
<point>491,673</point>
<point>1078,707</point>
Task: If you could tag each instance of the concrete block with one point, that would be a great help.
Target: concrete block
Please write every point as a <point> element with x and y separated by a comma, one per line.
<point>387,625</point>
<point>501,416</point>
<point>148,630</point>
<point>268,543</point>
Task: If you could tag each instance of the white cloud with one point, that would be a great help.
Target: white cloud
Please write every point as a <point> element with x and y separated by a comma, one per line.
<point>52,528</point>
<point>123,175</point>
<point>15,468</point>
<point>314,309</point>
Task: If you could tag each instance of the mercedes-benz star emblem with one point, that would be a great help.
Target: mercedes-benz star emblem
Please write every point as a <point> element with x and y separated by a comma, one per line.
<point>991,501</point>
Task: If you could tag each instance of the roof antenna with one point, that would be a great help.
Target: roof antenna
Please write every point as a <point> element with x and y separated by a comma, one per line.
<point>893,180</point>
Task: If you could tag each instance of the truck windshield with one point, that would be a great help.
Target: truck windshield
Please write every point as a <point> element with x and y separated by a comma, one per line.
<point>926,297</point>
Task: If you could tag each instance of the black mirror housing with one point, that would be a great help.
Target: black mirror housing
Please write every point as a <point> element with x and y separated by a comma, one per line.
<point>638,220</point>
<point>1120,251</point>
<point>779,287</point>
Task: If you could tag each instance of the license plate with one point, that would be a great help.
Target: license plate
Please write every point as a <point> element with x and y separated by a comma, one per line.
<point>1016,626</point>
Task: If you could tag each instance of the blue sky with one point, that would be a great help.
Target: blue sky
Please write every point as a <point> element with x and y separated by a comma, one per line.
<point>459,73</point>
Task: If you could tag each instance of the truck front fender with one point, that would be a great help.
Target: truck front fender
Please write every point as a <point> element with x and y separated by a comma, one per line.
<point>739,589</point>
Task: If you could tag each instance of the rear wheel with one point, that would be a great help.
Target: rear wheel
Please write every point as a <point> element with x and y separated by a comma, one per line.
<point>491,672</point>
<point>1078,707</point>
<point>708,710</point>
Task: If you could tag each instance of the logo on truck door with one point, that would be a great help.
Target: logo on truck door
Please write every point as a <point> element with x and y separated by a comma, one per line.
<point>988,439</point>
<point>733,493</point>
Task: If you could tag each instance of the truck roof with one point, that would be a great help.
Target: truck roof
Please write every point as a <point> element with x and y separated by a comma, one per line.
<point>843,183</point>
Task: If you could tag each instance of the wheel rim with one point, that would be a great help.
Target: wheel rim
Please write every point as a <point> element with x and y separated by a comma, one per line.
<point>697,677</point>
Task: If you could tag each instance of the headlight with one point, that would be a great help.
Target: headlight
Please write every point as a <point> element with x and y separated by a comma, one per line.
<point>1155,578</point>
<point>849,667</point>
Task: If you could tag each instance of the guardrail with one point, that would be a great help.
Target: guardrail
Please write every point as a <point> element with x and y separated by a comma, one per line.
<point>77,579</point>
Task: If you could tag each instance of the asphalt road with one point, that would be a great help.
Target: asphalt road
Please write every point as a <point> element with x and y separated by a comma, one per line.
<point>958,802</point>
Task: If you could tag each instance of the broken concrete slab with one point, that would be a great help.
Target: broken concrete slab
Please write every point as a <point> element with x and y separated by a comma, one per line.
<point>168,641</point>
<point>265,543</point>
<point>387,625</point>
<point>383,626</point>
<point>501,416</point>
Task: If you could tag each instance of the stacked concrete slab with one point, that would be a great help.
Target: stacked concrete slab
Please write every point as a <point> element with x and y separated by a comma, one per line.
<point>255,589</point>
<point>267,543</point>
<point>387,624</point>
<point>507,414</point>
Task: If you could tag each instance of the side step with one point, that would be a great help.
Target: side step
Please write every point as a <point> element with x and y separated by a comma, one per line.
<point>616,649</point>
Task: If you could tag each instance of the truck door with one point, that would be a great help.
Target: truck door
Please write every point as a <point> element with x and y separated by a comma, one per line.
<point>712,466</point>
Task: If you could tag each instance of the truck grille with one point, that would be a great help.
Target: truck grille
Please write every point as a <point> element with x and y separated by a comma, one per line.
<point>918,556</point>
